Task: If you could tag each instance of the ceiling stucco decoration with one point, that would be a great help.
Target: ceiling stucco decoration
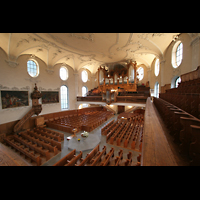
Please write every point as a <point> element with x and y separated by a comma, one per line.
<point>80,49</point>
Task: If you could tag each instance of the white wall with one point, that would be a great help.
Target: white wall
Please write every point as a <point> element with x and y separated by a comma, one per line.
<point>167,72</point>
<point>18,79</point>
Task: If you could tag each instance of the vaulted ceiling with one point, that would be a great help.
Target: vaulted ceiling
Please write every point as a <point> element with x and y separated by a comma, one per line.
<point>88,50</point>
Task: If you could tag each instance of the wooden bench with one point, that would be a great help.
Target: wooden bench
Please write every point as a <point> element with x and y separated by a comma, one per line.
<point>34,158</point>
<point>64,160</point>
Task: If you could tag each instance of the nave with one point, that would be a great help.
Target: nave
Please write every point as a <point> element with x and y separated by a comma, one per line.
<point>96,132</point>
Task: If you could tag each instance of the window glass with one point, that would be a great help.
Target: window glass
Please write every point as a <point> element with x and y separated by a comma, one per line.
<point>84,91</point>
<point>84,76</point>
<point>64,73</point>
<point>179,54</point>
<point>156,90</point>
<point>177,81</point>
<point>32,68</point>
<point>64,97</point>
<point>157,67</point>
<point>140,72</point>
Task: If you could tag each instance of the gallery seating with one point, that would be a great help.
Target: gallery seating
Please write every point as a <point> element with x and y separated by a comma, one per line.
<point>183,126</point>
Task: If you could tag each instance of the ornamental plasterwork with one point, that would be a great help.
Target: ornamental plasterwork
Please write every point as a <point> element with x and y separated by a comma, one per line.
<point>89,37</point>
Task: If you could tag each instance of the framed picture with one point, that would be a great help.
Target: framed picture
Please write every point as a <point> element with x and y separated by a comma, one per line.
<point>12,99</point>
<point>50,97</point>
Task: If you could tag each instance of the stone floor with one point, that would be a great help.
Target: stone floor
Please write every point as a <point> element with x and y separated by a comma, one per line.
<point>87,144</point>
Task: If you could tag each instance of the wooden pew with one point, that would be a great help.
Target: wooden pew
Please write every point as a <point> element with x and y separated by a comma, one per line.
<point>40,143</point>
<point>195,146</point>
<point>107,157</point>
<point>129,159</point>
<point>96,160</point>
<point>34,158</point>
<point>186,134</point>
<point>33,147</point>
<point>118,158</point>
<point>52,142</point>
<point>64,160</point>
<point>73,161</point>
<point>89,156</point>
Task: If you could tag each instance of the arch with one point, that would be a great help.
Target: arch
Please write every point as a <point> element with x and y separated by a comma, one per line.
<point>173,82</point>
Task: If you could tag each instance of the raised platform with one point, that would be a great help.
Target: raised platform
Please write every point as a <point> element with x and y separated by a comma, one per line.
<point>85,143</point>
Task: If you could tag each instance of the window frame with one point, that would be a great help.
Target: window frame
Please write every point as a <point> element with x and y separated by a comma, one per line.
<point>138,73</point>
<point>175,82</point>
<point>86,91</point>
<point>66,71</point>
<point>66,99</point>
<point>174,55</point>
<point>37,68</point>
<point>157,67</point>
<point>84,71</point>
<point>156,90</point>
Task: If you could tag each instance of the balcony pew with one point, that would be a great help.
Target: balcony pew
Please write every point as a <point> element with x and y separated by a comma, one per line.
<point>195,145</point>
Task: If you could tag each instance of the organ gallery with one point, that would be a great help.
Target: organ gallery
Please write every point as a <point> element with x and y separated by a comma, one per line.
<point>99,99</point>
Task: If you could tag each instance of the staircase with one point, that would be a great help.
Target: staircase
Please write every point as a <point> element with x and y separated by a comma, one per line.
<point>109,108</point>
<point>34,110</point>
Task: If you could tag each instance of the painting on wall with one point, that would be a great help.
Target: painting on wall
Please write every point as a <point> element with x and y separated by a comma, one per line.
<point>50,97</point>
<point>12,99</point>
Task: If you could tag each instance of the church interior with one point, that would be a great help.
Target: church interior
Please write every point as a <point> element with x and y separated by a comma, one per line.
<point>99,99</point>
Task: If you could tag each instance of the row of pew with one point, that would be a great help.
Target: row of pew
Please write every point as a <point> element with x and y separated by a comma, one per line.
<point>127,133</point>
<point>37,145</point>
<point>87,121</point>
<point>186,96</point>
<point>97,158</point>
<point>184,127</point>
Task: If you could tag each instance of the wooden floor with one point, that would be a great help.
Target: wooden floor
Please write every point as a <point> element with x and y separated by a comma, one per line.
<point>9,158</point>
<point>156,150</point>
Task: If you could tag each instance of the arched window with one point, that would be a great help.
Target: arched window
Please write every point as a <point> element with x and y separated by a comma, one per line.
<point>140,72</point>
<point>101,77</point>
<point>115,79</point>
<point>157,67</point>
<point>63,73</point>
<point>156,90</point>
<point>84,91</point>
<point>64,97</point>
<point>84,76</point>
<point>177,81</point>
<point>131,74</point>
<point>32,68</point>
<point>177,54</point>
